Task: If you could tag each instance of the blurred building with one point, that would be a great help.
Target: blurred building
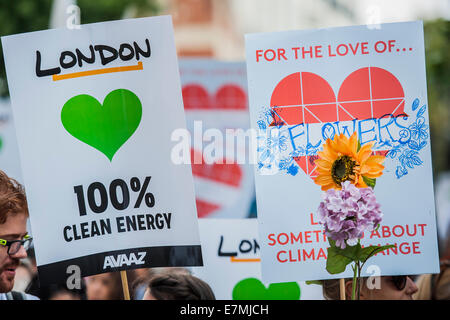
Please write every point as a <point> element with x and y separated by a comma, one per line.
<point>216,28</point>
<point>204,28</point>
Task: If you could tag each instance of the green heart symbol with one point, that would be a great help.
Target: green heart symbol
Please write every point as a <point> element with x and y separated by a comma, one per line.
<point>104,127</point>
<point>254,289</point>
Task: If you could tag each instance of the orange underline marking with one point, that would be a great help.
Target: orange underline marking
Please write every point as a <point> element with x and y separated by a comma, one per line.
<point>57,77</point>
<point>233,259</point>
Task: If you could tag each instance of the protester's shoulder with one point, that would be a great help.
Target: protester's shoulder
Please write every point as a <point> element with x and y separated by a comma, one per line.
<point>16,295</point>
<point>31,297</point>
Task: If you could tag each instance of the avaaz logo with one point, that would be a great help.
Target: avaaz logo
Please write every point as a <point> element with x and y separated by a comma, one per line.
<point>115,261</point>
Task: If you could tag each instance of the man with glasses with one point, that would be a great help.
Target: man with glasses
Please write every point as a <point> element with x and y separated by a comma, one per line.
<point>14,239</point>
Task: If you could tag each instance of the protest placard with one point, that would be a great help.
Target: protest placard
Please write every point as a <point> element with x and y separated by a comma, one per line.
<point>231,255</point>
<point>215,101</point>
<point>308,86</point>
<point>94,110</point>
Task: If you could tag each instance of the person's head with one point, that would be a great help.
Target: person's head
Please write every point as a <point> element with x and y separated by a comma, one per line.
<point>178,286</point>
<point>64,295</point>
<point>139,285</point>
<point>104,286</point>
<point>61,292</point>
<point>13,229</point>
<point>381,288</point>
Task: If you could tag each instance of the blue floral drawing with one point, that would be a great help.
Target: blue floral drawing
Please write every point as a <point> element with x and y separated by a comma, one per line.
<point>273,146</point>
<point>276,152</point>
<point>412,141</point>
<point>273,150</point>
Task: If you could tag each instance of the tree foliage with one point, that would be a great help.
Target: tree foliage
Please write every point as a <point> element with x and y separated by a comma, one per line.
<point>437,48</point>
<point>19,16</point>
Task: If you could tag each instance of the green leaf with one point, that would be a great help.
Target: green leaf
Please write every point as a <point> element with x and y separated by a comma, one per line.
<point>319,282</point>
<point>331,242</point>
<point>336,261</point>
<point>370,182</point>
<point>359,146</point>
<point>368,252</point>
<point>338,258</point>
<point>350,252</point>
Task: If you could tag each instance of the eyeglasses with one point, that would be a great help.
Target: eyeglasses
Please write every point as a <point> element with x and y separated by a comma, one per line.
<point>399,282</point>
<point>14,246</point>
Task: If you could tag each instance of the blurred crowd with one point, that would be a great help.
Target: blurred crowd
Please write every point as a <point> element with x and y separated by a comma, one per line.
<point>170,283</point>
<point>176,283</point>
<point>19,279</point>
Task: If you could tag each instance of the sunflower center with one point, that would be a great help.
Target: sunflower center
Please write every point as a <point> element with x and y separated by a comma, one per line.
<point>343,169</point>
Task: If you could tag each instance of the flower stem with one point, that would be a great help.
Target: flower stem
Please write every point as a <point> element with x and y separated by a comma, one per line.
<point>355,270</point>
<point>359,280</point>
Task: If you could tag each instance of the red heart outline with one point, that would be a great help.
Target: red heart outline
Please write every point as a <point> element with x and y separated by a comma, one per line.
<point>227,97</point>
<point>305,97</point>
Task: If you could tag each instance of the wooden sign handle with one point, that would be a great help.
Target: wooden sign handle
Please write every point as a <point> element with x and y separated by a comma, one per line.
<point>126,291</point>
<point>342,288</point>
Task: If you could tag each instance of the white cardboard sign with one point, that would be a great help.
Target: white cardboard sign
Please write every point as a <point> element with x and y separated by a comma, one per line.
<point>231,252</point>
<point>215,102</point>
<point>307,86</point>
<point>94,110</point>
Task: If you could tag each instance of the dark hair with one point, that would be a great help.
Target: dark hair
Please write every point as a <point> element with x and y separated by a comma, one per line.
<point>12,197</point>
<point>116,287</point>
<point>49,291</point>
<point>179,286</point>
<point>331,289</point>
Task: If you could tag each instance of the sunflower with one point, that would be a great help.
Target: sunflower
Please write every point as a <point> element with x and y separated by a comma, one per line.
<point>341,161</point>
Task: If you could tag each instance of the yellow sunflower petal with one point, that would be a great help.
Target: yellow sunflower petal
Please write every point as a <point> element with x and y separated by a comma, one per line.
<point>365,152</point>
<point>330,145</point>
<point>353,144</point>
<point>343,145</point>
<point>329,186</point>
<point>361,183</point>
<point>355,163</point>
<point>323,164</point>
<point>373,175</point>
<point>375,159</point>
<point>322,171</point>
<point>323,179</point>
<point>327,154</point>
<point>372,169</point>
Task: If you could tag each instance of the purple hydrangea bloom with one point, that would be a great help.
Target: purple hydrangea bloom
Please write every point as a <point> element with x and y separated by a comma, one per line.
<point>347,213</point>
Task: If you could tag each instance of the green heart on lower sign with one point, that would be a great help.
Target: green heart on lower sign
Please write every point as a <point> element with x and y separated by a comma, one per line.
<point>254,289</point>
<point>104,127</point>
